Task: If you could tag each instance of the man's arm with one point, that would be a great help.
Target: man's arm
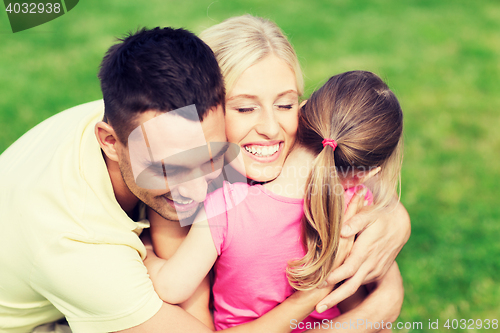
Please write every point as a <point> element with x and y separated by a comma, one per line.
<point>173,319</point>
<point>170,319</point>
<point>383,303</point>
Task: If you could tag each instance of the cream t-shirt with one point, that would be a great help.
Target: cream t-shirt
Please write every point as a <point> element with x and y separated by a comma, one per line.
<point>66,246</point>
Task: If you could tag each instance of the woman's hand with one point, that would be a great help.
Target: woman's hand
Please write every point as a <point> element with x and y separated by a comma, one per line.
<point>380,239</point>
<point>382,305</point>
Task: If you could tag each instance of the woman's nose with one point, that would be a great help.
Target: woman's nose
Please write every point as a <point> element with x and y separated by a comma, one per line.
<point>268,125</point>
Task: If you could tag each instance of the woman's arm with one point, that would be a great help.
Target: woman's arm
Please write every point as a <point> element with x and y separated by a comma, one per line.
<point>380,307</point>
<point>383,303</point>
<point>381,237</point>
<point>298,306</point>
<point>280,319</point>
<point>176,279</point>
<point>353,301</point>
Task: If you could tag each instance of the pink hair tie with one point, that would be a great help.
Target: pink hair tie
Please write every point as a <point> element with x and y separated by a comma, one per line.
<point>330,142</point>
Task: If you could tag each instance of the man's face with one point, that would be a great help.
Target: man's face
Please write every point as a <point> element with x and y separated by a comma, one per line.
<point>170,160</point>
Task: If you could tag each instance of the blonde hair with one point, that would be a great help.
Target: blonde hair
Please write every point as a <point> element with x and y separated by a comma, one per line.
<point>359,112</point>
<point>242,41</point>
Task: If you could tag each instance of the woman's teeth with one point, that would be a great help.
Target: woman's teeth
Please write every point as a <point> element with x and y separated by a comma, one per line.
<point>263,151</point>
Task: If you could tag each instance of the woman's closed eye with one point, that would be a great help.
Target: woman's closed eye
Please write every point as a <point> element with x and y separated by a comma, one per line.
<point>285,106</point>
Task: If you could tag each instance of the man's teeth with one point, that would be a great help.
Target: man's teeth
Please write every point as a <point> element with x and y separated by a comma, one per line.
<point>263,151</point>
<point>181,202</point>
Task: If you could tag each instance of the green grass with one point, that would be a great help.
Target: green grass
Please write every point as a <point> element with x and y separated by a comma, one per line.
<point>442,59</point>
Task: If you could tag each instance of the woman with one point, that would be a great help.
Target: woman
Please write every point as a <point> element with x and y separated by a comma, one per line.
<point>262,109</point>
<point>263,84</point>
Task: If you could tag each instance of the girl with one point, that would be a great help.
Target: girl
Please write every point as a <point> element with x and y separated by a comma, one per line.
<point>349,131</point>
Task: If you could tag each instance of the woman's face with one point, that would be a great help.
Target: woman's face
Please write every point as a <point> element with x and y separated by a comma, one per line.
<point>262,117</point>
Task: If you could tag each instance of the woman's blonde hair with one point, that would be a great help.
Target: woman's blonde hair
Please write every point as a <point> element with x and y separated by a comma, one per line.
<point>242,41</point>
<point>359,112</point>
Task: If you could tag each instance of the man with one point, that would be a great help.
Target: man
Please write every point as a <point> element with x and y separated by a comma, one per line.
<point>69,200</point>
<point>71,191</point>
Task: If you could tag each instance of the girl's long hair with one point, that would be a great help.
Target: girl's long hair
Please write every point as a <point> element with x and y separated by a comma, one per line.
<point>359,112</point>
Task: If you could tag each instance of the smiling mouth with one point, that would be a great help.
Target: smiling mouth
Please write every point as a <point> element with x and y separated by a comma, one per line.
<point>262,151</point>
<point>182,204</point>
<point>182,201</point>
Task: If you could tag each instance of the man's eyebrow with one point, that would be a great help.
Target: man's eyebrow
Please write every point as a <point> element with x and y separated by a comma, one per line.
<point>161,165</point>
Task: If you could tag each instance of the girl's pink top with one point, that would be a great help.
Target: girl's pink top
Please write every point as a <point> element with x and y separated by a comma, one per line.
<point>256,233</point>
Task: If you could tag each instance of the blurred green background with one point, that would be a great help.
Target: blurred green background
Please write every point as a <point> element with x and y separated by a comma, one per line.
<point>441,58</point>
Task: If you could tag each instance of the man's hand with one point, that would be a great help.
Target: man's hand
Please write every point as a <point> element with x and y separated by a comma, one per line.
<point>381,237</point>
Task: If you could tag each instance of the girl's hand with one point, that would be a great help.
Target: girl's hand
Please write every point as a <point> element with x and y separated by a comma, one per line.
<point>379,241</point>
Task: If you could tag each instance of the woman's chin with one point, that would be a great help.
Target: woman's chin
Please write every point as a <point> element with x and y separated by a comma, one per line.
<point>263,173</point>
<point>259,172</point>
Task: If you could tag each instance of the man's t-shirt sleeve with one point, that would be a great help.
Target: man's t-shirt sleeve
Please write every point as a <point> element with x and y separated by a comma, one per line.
<point>98,287</point>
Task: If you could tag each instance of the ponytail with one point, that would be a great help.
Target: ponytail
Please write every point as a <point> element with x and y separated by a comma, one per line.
<point>323,213</point>
<point>363,115</point>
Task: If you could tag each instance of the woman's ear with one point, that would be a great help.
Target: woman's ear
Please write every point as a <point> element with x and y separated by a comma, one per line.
<point>107,139</point>
<point>369,175</point>
<point>302,103</point>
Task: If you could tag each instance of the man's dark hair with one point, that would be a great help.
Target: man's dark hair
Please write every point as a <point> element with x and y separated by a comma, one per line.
<point>158,69</point>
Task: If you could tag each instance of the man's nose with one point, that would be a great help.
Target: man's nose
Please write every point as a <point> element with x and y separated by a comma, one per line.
<point>195,189</point>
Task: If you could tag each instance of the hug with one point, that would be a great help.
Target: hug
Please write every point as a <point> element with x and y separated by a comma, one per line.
<point>76,242</point>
